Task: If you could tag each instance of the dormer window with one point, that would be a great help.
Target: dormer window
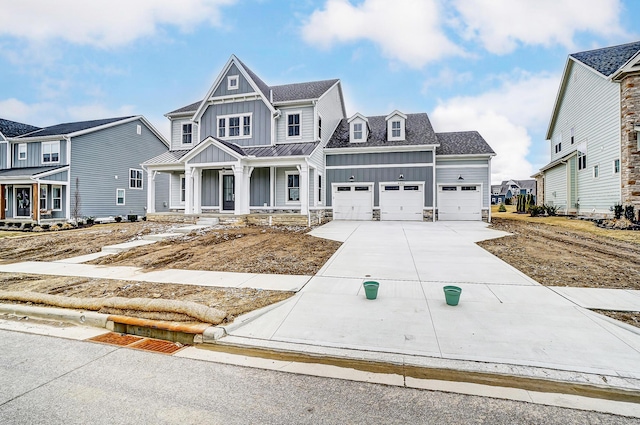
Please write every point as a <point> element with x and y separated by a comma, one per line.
<point>232,82</point>
<point>358,128</point>
<point>357,131</point>
<point>396,126</point>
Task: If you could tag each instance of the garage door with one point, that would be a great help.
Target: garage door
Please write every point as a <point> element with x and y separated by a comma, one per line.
<point>459,202</point>
<point>401,201</point>
<point>352,202</point>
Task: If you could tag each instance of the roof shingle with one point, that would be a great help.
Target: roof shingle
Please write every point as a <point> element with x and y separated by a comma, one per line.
<point>463,143</point>
<point>72,127</point>
<point>13,128</point>
<point>609,59</point>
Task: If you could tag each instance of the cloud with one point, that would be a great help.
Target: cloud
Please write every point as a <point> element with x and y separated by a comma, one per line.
<point>103,23</point>
<point>407,31</point>
<point>506,117</point>
<point>501,25</point>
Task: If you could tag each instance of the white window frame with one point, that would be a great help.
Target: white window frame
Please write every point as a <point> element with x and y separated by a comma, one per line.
<point>352,131</point>
<point>319,127</point>
<point>320,197</point>
<point>182,187</point>
<point>124,193</point>
<point>40,198</point>
<point>286,187</point>
<point>135,179</point>
<point>54,198</point>
<point>233,79</point>
<point>401,128</point>
<point>616,166</point>
<point>225,121</point>
<point>187,133</point>
<point>49,146</point>
<point>582,156</point>
<point>287,125</point>
<point>22,149</point>
<point>595,171</point>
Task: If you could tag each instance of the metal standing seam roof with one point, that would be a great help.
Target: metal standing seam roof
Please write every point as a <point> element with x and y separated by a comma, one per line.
<point>282,150</point>
<point>609,59</point>
<point>463,143</point>
<point>13,128</point>
<point>72,127</point>
<point>418,131</point>
<point>169,157</point>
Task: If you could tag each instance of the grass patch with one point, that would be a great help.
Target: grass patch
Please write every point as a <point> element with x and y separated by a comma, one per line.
<point>9,234</point>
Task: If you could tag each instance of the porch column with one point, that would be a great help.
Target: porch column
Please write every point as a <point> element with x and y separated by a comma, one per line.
<point>35,201</point>
<point>272,187</point>
<point>239,190</point>
<point>151,191</point>
<point>247,189</point>
<point>188,190</point>
<point>197,190</point>
<point>304,188</point>
<point>3,202</point>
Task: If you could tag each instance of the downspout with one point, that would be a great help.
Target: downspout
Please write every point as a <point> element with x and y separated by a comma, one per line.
<point>433,200</point>
<point>68,200</point>
<point>489,217</point>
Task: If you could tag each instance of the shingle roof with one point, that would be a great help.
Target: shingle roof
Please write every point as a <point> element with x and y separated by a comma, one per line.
<point>285,149</point>
<point>28,171</point>
<point>301,91</point>
<point>193,107</point>
<point>170,157</point>
<point>609,59</point>
<point>14,129</point>
<point>463,143</point>
<point>418,131</point>
<point>264,88</point>
<point>72,127</point>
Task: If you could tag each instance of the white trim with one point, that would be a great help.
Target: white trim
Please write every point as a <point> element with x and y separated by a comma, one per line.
<point>286,125</point>
<point>463,166</point>
<point>15,200</point>
<point>466,156</point>
<point>227,127</point>
<point>375,149</point>
<point>137,170</point>
<point>56,171</point>
<point>234,98</point>
<point>53,198</point>
<point>220,191</point>
<point>233,79</point>
<point>124,193</point>
<point>182,192</point>
<point>288,173</point>
<point>182,134</point>
<point>51,152</point>
<point>349,167</point>
<point>46,196</point>
<point>20,146</point>
<point>319,195</point>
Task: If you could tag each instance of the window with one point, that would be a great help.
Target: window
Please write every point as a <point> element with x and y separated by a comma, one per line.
<point>293,125</point>
<point>320,188</point>
<point>183,188</point>
<point>234,126</point>
<point>319,127</point>
<point>139,129</point>
<point>135,178</point>
<point>573,134</point>
<point>395,129</point>
<point>43,197</point>
<point>120,196</point>
<point>468,188</point>
<point>22,151</point>
<point>187,130</point>
<point>56,197</point>
<point>582,157</point>
<point>344,188</point>
<point>616,166</point>
<point>596,171</point>
<point>232,82</point>
<point>293,187</point>
<point>50,152</point>
<point>357,131</point>
<point>449,188</point>
<point>558,147</point>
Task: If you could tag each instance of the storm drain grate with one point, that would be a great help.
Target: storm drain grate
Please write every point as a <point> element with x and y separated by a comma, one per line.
<point>139,343</point>
<point>116,339</point>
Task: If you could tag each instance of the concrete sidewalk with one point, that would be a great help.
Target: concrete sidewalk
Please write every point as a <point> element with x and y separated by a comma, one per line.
<point>504,318</point>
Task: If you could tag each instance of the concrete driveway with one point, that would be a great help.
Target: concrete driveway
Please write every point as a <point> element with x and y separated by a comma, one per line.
<point>503,317</point>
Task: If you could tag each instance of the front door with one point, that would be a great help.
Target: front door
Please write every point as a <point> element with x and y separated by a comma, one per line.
<point>228,193</point>
<point>23,202</point>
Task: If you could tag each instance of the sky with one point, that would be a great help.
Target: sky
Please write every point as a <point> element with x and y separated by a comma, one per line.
<point>493,66</point>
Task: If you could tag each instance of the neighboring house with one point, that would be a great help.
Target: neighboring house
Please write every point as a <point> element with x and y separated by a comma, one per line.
<point>512,188</point>
<point>249,148</point>
<point>593,133</point>
<point>89,168</point>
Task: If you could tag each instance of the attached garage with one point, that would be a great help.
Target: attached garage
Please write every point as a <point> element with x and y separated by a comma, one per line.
<point>352,201</point>
<point>401,201</point>
<point>460,202</point>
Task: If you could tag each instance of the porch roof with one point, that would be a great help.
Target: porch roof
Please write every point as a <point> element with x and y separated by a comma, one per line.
<point>28,172</point>
<point>285,149</point>
<point>170,157</point>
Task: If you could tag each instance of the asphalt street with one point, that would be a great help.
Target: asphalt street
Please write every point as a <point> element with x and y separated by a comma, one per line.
<point>45,380</point>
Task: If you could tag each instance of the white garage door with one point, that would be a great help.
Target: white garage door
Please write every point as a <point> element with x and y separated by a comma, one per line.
<point>402,201</point>
<point>352,202</point>
<point>459,202</point>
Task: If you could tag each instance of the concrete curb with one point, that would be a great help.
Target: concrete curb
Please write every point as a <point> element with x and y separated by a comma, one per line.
<point>79,317</point>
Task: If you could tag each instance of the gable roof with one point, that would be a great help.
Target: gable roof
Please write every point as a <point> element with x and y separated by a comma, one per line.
<point>608,60</point>
<point>193,107</point>
<point>13,128</point>
<point>418,131</point>
<point>301,91</point>
<point>522,184</point>
<point>71,127</point>
<point>463,143</point>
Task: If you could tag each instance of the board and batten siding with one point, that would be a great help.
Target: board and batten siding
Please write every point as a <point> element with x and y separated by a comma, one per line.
<point>555,187</point>
<point>162,194</point>
<point>260,121</point>
<point>243,85</point>
<point>212,154</point>
<point>34,155</point>
<point>101,161</point>
<point>176,134</point>
<point>330,109</point>
<point>3,155</point>
<point>472,172</point>
<point>210,188</point>
<point>306,125</point>
<point>260,187</point>
<point>590,104</point>
<point>384,158</point>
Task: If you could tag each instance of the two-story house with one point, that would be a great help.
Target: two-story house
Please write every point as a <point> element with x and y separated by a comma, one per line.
<point>593,133</point>
<point>508,189</point>
<point>74,170</point>
<point>248,148</point>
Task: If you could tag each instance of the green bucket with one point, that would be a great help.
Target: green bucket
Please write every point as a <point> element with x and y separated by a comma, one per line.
<point>371,289</point>
<point>452,294</point>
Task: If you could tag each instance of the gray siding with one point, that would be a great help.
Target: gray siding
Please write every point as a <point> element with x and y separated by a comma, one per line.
<point>555,187</point>
<point>3,155</point>
<point>330,109</point>
<point>162,192</point>
<point>212,154</point>
<point>260,121</point>
<point>260,187</point>
<point>281,187</point>
<point>473,175</point>
<point>380,158</point>
<point>243,84</point>
<point>57,177</point>
<point>97,158</point>
<point>174,182</point>
<point>34,155</point>
<point>306,125</point>
<point>176,134</point>
<point>312,192</point>
<point>210,188</point>
<point>377,175</point>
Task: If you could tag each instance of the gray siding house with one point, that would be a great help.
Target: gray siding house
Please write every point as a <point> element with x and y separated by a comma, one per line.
<point>89,168</point>
<point>593,134</point>
<point>249,148</point>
